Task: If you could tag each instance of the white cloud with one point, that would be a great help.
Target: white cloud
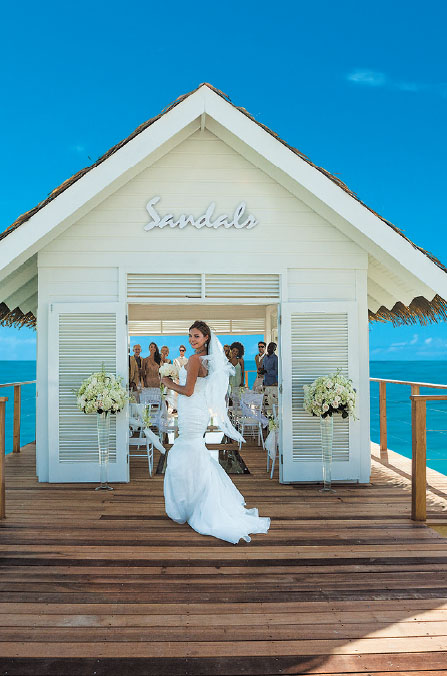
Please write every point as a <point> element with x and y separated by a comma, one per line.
<point>375,78</point>
<point>414,340</point>
<point>427,341</point>
<point>370,78</point>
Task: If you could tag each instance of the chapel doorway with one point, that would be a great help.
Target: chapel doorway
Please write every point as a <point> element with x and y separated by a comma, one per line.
<point>167,325</point>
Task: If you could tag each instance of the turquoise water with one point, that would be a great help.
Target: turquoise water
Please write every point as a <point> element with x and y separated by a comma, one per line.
<point>399,408</point>
<point>15,372</point>
<point>398,404</point>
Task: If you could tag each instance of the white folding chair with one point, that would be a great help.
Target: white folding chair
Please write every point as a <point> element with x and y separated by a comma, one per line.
<point>251,418</point>
<point>272,453</point>
<point>137,424</point>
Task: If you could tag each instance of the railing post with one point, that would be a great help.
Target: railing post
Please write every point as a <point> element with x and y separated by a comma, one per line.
<point>382,411</point>
<point>418,475</point>
<point>16,429</point>
<point>415,389</point>
<point>3,401</point>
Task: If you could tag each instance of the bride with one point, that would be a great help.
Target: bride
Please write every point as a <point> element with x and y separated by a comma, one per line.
<point>196,488</point>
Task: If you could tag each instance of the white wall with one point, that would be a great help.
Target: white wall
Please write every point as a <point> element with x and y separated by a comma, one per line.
<point>317,261</point>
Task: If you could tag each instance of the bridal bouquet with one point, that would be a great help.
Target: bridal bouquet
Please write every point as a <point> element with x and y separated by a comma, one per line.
<point>168,371</point>
<point>329,395</point>
<point>101,393</point>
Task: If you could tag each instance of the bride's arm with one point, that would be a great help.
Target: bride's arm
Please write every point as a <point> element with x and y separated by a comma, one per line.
<point>192,374</point>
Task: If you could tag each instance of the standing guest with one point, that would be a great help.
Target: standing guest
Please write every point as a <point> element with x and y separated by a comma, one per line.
<point>259,358</point>
<point>181,360</point>
<point>151,366</point>
<point>164,354</point>
<point>270,365</point>
<point>136,369</point>
<point>237,360</point>
<point>227,351</point>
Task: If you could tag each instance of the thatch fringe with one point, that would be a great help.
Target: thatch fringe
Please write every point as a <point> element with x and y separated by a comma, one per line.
<point>420,310</point>
<point>16,317</point>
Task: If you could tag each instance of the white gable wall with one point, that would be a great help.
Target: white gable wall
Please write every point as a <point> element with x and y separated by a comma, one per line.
<point>88,261</point>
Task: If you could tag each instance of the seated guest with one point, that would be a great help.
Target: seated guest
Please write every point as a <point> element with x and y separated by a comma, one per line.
<point>164,354</point>
<point>237,359</point>
<point>136,380</point>
<point>181,360</point>
<point>151,366</point>
<point>270,366</point>
<point>259,358</point>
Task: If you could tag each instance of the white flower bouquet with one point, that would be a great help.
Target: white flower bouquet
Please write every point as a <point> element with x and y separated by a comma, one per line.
<point>168,371</point>
<point>330,395</point>
<point>101,393</point>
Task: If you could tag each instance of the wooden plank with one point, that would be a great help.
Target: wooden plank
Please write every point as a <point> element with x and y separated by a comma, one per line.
<point>16,424</point>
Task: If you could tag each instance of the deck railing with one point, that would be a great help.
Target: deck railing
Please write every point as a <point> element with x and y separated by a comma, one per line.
<point>419,438</point>
<point>16,433</point>
<point>3,401</point>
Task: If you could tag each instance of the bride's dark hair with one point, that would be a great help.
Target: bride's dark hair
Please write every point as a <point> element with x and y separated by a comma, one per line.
<point>204,328</point>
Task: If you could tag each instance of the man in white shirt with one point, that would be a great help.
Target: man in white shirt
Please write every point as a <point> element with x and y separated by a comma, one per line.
<point>258,385</point>
<point>181,360</point>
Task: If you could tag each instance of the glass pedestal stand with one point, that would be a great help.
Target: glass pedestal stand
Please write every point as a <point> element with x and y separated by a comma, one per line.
<point>103,429</point>
<point>327,436</point>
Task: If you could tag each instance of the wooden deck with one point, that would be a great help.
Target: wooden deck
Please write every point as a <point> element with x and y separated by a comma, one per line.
<point>103,584</point>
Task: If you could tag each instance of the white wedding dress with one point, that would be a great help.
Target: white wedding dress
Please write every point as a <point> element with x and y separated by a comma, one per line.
<point>196,488</point>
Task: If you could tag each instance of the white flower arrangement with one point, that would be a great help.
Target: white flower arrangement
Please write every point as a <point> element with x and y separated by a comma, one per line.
<point>101,393</point>
<point>168,371</point>
<point>330,395</point>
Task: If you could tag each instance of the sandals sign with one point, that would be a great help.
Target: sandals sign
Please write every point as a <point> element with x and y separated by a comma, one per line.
<point>204,221</point>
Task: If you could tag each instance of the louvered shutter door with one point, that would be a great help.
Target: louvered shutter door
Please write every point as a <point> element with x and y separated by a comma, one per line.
<point>82,337</point>
<point>317,339</point>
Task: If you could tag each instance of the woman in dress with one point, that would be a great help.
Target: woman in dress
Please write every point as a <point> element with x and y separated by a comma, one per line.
<point>164,354</point>
<point>197,490</point>
<point>151,366</point>
<point>237,360</point>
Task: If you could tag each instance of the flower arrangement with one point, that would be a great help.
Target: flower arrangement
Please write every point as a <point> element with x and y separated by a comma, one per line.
<point>147,418</point>
<point>168,371</point>
<point>273,423</point>
<point>330,395</point>
<point>101,393</point>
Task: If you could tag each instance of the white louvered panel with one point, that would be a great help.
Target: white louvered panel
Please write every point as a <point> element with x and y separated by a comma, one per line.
<point>254,325</point>
<point>85,342</point>
<point>164,286</point>
<point>319,343</point>
<point>141,327</point>
<point>242,286</point>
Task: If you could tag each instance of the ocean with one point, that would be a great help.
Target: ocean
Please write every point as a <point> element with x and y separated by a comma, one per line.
<point>398,404</point>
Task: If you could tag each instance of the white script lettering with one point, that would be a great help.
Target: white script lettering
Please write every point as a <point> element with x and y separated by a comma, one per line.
<point>205,220</point>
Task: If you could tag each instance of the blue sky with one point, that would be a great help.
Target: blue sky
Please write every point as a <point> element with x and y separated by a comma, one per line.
<point>361,88</point>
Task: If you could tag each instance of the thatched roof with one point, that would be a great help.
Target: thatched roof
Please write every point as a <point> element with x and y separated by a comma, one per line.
<point>16,317</point>
<point>419,309</point>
